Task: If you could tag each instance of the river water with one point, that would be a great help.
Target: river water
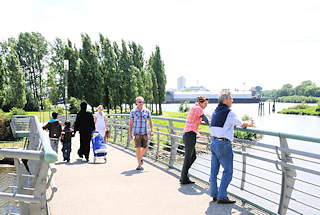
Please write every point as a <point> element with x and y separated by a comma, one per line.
<point>292,124</point>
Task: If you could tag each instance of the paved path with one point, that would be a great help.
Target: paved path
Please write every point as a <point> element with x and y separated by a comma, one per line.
<point>117,188</point>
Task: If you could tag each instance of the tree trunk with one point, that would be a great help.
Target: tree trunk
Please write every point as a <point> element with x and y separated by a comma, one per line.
<point>160,109</point>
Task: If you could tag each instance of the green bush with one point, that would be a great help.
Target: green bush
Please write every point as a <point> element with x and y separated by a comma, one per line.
<point>5,129</point>
<point>243,134</point>
<point>184,107</point>
<point>15,111</point>
<point>298,99</point>
<point>60,110</point>
<point>32,103</point>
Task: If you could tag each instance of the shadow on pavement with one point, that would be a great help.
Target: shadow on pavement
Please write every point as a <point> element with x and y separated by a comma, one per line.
<point>131,172</point>
<point>192,189</point>
<point>76,162</point>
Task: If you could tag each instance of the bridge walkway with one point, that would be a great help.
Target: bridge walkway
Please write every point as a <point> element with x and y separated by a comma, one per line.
<point>117,188</point>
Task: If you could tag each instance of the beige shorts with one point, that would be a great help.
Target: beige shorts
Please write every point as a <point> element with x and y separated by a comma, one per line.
<point>141,140</point>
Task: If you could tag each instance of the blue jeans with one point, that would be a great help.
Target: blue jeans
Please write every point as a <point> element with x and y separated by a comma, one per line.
<point>221,153</point>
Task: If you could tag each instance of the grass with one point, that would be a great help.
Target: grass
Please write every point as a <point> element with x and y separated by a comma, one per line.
<point>302,109</point>
<point>12,144</point>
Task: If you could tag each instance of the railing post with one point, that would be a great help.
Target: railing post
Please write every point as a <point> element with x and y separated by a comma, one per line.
<point>40,189</point>
<point>174,145</point>
<point>158,144</point>
<point>244,165</point>
<point>128,137</point>
<point>115,130</point>
<point>287,179</point>
<point>121,133</point>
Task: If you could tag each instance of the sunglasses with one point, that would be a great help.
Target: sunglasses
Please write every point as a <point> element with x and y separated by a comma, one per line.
<point>140,102</point>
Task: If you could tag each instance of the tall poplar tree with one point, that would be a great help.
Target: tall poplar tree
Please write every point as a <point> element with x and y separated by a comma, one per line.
<point>158,69</point>
<point>2,83</point>
<point>136,52</point>
<point>89,67</point>
<point>74,76</point>
<point>16,92</point>
<point>108,69</point>
<point>57,68</point>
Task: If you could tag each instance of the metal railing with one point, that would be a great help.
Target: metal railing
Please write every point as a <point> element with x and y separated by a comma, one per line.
<point>34,168</point>
<point>268,174</point>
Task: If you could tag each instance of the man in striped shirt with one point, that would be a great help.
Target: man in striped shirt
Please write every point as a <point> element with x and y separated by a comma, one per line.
<point>139,128</point>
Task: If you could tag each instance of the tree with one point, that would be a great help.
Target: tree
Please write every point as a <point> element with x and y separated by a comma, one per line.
<point>16,91</point>
<point>74,75</point>
<point>32,49</point>
<point>127,73</point>
<point>57,70</point>
<point>286,90</point>
<point>148,97</point>
<point>2,84</point>
<point>158,69</point>
<point>89,67</point>
<point>136,52</point>
<point>119,90</point>
<point>54,92</point>
<point>108,70</point>
<point>301,89</point>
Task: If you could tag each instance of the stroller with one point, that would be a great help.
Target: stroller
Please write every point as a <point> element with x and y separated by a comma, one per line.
<point>98,146</point>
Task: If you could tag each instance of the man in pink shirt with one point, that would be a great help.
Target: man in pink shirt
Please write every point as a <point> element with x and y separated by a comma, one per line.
<point>193,121</point>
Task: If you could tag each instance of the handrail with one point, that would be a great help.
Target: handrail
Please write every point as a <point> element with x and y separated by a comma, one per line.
<point>34,167</point>
<point>280,134</point>
<point>50,155</point>
<point>251,130</point>
<point>279,166</point>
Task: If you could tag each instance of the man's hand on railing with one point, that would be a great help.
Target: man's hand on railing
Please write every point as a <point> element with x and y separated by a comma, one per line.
<point>248,123</point>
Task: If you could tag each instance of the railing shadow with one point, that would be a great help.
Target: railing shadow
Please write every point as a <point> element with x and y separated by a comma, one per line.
<point>216,209</point>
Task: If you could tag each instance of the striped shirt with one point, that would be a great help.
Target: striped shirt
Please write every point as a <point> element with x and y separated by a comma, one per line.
<point>140,120</point>
<point>193,119</point>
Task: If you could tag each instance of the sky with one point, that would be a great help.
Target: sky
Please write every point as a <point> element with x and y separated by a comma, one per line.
<point>218,44</point>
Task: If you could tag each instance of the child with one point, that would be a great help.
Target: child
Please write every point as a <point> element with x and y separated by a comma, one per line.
<point>54,126</point>
<point>67,134</point>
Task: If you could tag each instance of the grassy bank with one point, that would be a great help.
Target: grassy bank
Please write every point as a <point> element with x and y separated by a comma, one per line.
<point>302,109</point>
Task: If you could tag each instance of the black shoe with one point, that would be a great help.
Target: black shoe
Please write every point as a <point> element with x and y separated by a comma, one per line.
<point>214,199</point>
<point>68,160</point>
<point>139,168</point>
<point>226,201</point>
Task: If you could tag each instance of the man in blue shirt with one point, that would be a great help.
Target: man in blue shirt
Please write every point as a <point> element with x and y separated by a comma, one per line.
<point>221,131</point>
<point>139,127</point>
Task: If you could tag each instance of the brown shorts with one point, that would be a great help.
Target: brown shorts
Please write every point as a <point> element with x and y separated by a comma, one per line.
<point>141,140</point>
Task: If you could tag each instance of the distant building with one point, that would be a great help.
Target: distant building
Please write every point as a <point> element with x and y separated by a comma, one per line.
<point>196,88</point>
<point>181,83</point>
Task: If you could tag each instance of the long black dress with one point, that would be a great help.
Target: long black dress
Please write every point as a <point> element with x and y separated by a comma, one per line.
<point>85,125</point>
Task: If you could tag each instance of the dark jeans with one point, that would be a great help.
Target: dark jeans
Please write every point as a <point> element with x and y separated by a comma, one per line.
<point>66,149</point>
<point>189,140</point>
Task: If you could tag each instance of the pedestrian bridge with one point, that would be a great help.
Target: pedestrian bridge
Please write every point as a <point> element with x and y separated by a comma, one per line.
<point>272,175</point>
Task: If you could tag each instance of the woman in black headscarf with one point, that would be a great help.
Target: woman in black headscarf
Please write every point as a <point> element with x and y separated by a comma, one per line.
<point>85,125</point>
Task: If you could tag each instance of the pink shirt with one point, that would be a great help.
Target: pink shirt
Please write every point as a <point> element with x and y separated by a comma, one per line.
<point>194,119</point>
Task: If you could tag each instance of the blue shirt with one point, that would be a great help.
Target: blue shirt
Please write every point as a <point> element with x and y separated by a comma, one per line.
<point>226,131</point>
<point>140,120</point>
